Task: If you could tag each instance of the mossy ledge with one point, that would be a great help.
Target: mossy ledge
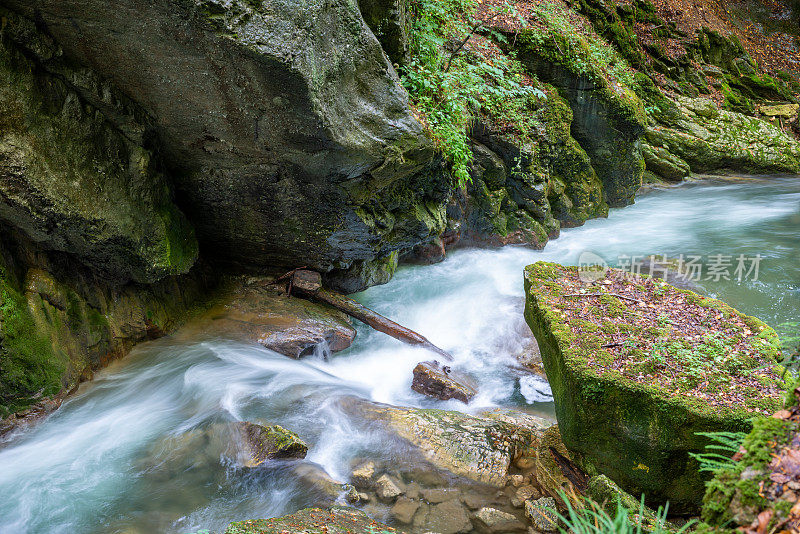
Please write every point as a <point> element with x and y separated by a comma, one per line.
<point>614,400</point>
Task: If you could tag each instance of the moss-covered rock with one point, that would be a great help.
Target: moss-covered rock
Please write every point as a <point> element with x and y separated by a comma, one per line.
<point>709,139</point>
<point>635,378</point>
<point>609,117</point>
<point>59,322</point>
<point>336,520</point>
<point>480,447</point>
<point>279,122</point>
<point>74,182</point>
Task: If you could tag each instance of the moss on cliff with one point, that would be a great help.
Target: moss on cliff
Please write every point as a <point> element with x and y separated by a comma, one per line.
<point>29,367</point>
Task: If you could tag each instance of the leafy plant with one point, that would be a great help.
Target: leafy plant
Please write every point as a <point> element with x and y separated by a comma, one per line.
<point>725,442</point>
<point>594,519</point>
<point>451,85</point>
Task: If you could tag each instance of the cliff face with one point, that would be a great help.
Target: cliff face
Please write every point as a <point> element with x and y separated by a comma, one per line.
<point>139,138</point>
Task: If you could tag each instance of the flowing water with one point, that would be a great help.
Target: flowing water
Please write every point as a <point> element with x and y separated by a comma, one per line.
<point>123,455</point>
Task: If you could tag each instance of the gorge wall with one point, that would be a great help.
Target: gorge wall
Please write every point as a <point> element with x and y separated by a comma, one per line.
<point>149,148</point>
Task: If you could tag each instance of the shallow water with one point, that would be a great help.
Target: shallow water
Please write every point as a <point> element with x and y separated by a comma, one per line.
<point>107,460</point>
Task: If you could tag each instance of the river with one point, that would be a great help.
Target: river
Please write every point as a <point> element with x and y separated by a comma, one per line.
<point>104,462</point>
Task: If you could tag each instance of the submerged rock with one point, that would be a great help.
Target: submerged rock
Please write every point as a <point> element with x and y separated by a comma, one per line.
<point>388,488</point>
<point>336,520</point>
<point>492,520</point>
<point>440,382</point>
<point>638,368</point>
<point>261,443</point>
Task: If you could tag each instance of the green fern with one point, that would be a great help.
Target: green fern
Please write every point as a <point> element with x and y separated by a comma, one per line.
<point>723,442</point>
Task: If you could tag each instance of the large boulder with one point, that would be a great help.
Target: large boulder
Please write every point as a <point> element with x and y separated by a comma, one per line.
<point>609,118</point>
<point>72,181</point>
<point>282,124</point>
<point>707,139</point>
<point>638,368</point>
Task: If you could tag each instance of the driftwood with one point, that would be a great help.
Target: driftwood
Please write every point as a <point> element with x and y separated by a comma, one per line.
<point>307,284</point>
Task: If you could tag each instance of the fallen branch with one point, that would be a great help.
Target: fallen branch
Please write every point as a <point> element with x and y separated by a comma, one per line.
<point>622,297</point>
<point>306,287</point>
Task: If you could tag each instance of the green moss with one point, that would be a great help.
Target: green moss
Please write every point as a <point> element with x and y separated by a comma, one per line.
<point>736,490</point>
<point>29,369</point>
<point>636,431</point>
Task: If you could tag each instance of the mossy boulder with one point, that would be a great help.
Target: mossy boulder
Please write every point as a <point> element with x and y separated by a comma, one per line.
<point>60,321</point>
<point>71,180</point>
<point>289,137</point>
<point>635,378</point>
<point>255,444</point>
<point>336,520</point>
<point>479,447</point>
<point>609,118</point>
<point>709,139</point>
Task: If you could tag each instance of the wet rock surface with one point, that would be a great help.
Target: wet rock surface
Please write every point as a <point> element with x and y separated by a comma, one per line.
<point>260,443</point>
<point>292,326</point>
<point>441,382</point>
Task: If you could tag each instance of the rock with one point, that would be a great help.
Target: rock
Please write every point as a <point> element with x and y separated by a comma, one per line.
<point>763,482</point>
<point>633,412</point>
<point>709,139</point>
<point>336,520</point>
<point>479,448</point>
<point>298,168</point>
<point>786,111</point>
<point>351,494</point>
<point>387,488</point>
<point>437,381</point>
<point>261,443</point>
<point>543,514</point>
<point>362,475</point>
<point>474,501</point>
<point>664,164</point>
<point>448,518</point>
<point>389,21</point>
<point>608,121</point>
<point>404,510</point>
<point>308,281</point>
<point>516,480</point>
<point>524,493</point>
<point>438,495</point>
<point>548,473</point>
<point>494,520</point>
<point>293,327</point>
<point>319,481</point>
<point>71,180</point>
<point>525,462</point>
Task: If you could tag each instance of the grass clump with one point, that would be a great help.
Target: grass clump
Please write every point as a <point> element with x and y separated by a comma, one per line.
<point>596,519</point>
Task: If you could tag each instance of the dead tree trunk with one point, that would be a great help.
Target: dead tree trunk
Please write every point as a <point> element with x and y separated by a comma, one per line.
<point>308,284</point>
